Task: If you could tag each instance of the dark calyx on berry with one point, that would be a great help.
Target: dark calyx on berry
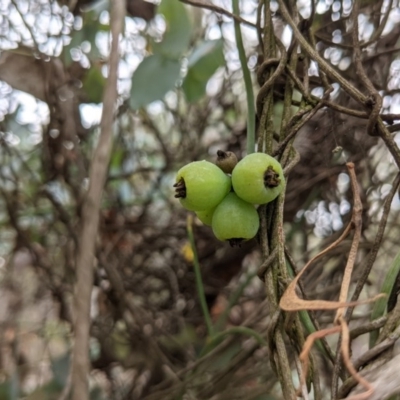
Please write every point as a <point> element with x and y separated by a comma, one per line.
<point>222,154</point>
<point>180,189</point>
<point>236,242</point>
<point>271,178</point>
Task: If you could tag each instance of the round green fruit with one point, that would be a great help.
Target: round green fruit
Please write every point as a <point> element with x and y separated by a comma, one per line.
<point>205,216</point>
<point>235,220</point>
<point>258,178</point>
<point>201,186</point>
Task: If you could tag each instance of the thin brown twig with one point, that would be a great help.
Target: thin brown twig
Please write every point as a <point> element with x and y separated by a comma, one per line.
<point>219,10</point>
<point>262,269</point>
<point>279,355</point>
<point>294,129</point>
<point>349,365</point>
<point>375,351</point>
<point>258,25</point>
<point>292,163</point>
<point>375,125</point>
<point>344,338</point>
<point>375,36</point>
<point>375,100</point>
<point>90,216</point>
<point>266,86</point>
<point>365,273</point>
<point>382,25</point>
<point>304,356</point>
<point>291,302</point>
<point>379,356</point>
<point>312,53</point>
<point>376,245</point>
<point>356,221</point>
<point>310,313</point>
<point>371,326</point>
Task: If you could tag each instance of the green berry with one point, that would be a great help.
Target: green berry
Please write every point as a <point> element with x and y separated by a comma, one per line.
<point>201,186</point>
<point>235,220</point>
<point>226,160</point>
<point>258,178</point>
<point>205,216</point>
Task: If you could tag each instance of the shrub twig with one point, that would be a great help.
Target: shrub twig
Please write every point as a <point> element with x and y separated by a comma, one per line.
<point>90,216</point>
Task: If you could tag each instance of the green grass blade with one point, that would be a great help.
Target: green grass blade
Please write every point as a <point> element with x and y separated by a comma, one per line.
<point>199,280</point>
<point>251,120</point>
<point>380,304</point>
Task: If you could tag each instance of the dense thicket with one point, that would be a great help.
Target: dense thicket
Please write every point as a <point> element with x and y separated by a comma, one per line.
<point>88,161</point>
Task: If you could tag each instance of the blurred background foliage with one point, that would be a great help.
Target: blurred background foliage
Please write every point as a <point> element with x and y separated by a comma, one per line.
<point>181,98</point>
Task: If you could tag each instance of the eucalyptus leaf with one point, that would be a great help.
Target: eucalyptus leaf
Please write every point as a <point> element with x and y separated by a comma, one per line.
<point>178,29</point>
<point>203,62</point>
<point>154,77</point>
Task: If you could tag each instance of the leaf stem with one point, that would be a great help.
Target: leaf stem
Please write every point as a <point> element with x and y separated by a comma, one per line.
<point>199,280</point>
<point>250,143</point>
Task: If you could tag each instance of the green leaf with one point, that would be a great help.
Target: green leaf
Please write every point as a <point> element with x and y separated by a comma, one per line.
<point>203,63</point>
<point>93,85</point>
<point>153,78</point>
<point>205,52</point>
<point>178,30</point>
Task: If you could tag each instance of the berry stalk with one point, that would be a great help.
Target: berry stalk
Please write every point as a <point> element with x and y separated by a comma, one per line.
<point>251,120</point>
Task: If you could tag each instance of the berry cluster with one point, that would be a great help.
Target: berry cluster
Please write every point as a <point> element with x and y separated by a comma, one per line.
<point>223,195</point>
